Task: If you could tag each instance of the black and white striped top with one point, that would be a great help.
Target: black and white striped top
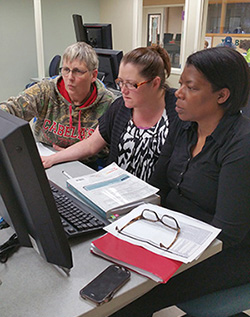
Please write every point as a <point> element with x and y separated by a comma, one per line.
<point>115,122</point>
<point>139,149</point>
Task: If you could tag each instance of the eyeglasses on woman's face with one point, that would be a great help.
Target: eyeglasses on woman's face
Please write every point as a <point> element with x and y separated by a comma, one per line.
<point>76,72</point>
<point>131,86</point>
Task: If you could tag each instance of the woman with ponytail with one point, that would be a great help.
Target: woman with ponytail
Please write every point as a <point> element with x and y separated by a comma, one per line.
<point>136,125</point>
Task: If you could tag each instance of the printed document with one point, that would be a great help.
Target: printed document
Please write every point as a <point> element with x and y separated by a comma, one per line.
<point>111,188</point>
<point>44,150</point>
<point>195,236</point>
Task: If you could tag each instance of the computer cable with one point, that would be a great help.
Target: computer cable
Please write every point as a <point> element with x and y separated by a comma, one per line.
<point>3,223</point>
<point>9,247</point>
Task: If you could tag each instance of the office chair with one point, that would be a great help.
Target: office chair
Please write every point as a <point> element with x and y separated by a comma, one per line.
<point>167,37</point>
<point>53,69</point>
<point>178,37</point>
<point>231,302</point>
<point>54,66</point>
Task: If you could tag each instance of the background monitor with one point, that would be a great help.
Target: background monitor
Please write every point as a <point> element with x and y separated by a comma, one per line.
<point>29,205</point>
<point>80,30</point>
<point>109,62</point>
<point>98,35</point>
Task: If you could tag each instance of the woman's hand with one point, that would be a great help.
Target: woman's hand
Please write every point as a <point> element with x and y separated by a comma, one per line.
<point>48,161</point>
<point>80,150</point>
<point>57,147</point>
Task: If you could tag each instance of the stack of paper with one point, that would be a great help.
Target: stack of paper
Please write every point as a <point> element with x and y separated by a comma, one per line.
<point>138,259</point>
<point>113,190</point>
<point>138,245</point>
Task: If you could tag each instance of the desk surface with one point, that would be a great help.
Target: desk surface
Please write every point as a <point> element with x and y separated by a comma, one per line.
<point>32,287</point>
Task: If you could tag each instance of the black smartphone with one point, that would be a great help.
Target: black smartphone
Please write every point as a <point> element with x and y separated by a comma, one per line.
<point>102,288</point>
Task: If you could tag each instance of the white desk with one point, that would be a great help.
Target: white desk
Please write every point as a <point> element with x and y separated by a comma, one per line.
<point>32,287</point>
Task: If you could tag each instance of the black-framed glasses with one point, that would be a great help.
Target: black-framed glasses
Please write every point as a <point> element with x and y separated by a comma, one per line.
<point>150,215</point>
<point>131,86</point>
<point>75,71</point>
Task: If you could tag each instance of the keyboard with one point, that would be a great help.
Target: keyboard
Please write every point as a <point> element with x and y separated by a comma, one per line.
<point>77,218</point>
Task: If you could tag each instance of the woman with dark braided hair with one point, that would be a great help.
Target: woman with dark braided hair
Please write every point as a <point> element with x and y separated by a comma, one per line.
<point>136,124</point>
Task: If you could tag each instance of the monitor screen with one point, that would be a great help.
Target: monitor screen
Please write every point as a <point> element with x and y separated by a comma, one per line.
<point>109,62</point>
<point>27,202</point>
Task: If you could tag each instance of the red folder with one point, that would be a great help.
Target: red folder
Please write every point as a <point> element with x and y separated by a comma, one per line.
<point>140,260</point>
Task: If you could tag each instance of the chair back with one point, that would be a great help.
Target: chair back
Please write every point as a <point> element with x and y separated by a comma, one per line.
<point>167,37</point>
<point>54,66</point>
<point>219,304</point>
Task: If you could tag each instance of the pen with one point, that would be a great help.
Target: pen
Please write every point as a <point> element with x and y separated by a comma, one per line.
<point>66,174</point>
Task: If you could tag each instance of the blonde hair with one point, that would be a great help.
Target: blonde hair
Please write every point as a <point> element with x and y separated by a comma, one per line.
<point>84,53</point>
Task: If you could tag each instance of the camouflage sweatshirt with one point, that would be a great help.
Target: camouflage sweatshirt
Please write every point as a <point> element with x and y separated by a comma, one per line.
<point>57,120</point>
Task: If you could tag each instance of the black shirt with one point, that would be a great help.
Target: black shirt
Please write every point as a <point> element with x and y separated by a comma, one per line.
<point>213,186</point>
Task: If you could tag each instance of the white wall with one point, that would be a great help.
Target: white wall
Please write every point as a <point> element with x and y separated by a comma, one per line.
<point>18,62</point>
<point>18,47</point>
<point>174,21</point>
<point>120,13</point>
<point>18,56</point>
<point>58,29</point>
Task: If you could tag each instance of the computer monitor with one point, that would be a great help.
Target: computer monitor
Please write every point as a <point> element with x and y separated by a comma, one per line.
<point>29,205</point>
<point>109,62</point>
<point>80,30</point>
<point>98,35</point>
